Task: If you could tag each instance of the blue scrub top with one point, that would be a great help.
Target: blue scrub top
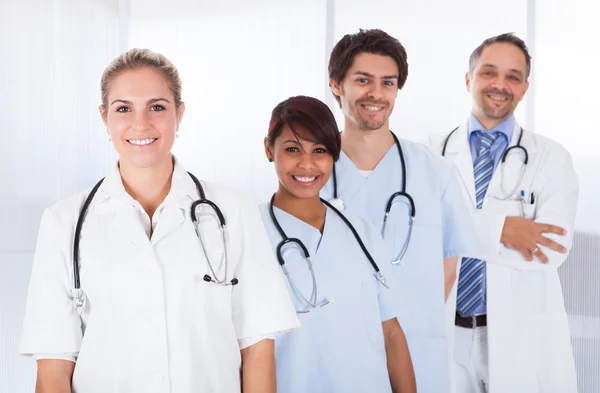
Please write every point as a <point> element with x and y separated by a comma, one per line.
<point>338,348</point>
<point>442,229</point>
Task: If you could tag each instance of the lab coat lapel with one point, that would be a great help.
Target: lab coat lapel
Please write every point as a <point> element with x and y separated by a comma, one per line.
<point>513,165</point>
<point>126,221</point>
<point>171,219</point>
<point>459,151</point>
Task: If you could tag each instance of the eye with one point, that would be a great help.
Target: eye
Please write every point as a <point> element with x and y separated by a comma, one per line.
<point>292,149</point>
<point>123,109</point>
<point>488,73</point>
<point>514,78</point>
<point>157,108</point>
<point>362,80</point>
<point>388,83</point>
<point>320,150</point>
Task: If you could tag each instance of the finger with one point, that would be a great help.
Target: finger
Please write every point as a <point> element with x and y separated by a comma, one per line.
<point>547,228</point>
<point>526,253</point>
<point>551,244</point>
<point>540,255</point>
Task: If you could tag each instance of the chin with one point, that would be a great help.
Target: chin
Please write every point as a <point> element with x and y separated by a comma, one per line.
<point>146,161</point>
<point>304,193</point>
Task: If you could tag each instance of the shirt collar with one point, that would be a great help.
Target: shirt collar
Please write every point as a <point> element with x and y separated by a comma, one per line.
<point>183,189</point>
<point>506,127</point>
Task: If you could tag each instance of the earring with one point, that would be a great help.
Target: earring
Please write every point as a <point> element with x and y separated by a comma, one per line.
<point>176,135</point>
<point>270,160</point>
<point>109,138</point>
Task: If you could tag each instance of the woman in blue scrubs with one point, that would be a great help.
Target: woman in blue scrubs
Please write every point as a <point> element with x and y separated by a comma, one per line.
<point>342,286</point>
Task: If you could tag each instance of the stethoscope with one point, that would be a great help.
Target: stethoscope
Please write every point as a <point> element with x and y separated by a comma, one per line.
<point>312,304</point>
<point>518,146</point>
<point>79,297</point>
<point>391,201</point>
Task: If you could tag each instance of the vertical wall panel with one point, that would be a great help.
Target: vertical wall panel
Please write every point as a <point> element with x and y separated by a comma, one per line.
<point>438,36</point>
<point>237,60</point>
<point>52,141</point>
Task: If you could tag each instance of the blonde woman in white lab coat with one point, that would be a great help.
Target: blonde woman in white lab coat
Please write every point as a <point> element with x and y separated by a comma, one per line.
<point>155,316</point>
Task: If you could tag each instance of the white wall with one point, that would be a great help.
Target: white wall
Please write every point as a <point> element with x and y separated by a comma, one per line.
<point>51,139</point>
<point>438,36</point>
<point>567,86</point>
<point>238,59</point>
<point>566,59</point>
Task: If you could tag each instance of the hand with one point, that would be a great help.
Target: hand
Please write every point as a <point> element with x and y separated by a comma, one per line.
<point>524,235</point>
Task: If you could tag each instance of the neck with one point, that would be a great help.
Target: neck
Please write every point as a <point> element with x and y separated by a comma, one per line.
<point>366,147</point>
<point>310,210</point>
<point>148,186</point>
<point>488,123</point>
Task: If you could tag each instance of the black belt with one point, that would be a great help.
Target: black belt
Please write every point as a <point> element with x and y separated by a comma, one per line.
<point>471,322</point>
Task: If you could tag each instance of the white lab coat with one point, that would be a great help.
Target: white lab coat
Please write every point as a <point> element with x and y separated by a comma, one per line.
<point>529,342</point>
<point>151,323</point>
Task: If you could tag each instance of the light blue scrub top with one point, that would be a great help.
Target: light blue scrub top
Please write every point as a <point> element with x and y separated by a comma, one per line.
<point>338,348</point>
<point>442,228</point>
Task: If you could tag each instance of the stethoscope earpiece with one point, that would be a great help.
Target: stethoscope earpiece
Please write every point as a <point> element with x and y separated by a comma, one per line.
<point>208,278</point>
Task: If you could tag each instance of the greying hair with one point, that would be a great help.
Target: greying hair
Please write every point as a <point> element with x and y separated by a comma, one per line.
<point>509,38</point>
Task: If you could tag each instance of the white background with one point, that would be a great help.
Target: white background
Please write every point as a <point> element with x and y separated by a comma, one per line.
<point>238,59</point>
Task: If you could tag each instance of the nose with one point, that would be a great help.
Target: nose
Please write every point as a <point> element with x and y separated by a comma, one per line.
<point>141,121</point>
<point>375,91</point>
<point>499,82</point>
<point>306,161</point>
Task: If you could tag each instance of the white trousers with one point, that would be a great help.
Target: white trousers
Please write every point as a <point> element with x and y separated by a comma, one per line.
<point>471,372</point>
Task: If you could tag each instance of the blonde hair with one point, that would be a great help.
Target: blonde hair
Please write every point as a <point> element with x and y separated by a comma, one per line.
<point>140,58</point>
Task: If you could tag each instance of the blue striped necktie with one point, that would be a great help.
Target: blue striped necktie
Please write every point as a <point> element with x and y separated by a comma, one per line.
<point>472,271</point>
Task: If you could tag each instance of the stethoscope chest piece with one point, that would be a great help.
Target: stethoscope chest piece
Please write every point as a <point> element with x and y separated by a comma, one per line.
<point>79,300</point>
<point>337,203</point>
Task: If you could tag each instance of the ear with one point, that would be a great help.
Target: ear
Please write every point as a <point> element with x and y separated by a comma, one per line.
<point>468,81</point>
<point>526,88</point>
<point>268,150</point>
<point>180,112</point>
<point>336,88</point>
<point>102,115</point>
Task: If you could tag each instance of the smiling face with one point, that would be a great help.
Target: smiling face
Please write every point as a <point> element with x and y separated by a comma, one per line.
<point>303,167</point>
<point>368,91</point>
<point>141,117</point>
<point>497,83</point>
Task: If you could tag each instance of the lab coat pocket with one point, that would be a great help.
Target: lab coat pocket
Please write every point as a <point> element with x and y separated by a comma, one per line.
<point>507,207</point>
<point>529,211</point>
<point>371,318</point>
<point>214,298</point>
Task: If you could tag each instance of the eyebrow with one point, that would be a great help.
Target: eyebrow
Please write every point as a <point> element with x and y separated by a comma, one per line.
<point>292,141</point>
<point>369,75</point>
<point>150,101</point>
<point>494,67</point>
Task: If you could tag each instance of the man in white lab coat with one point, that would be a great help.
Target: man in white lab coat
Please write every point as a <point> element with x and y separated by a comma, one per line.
<point>511,333</point>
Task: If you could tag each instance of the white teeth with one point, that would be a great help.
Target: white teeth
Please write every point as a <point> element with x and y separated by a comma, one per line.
<point>305,179</point>
<point>373,108</point>
<point>498,98</point>
<point>141,142</point>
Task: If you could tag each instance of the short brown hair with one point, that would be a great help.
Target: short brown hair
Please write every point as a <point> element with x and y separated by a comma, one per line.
<point>509,38</point>
<point>313,116</point>
<point>135,59</point>
<point>373,41</point>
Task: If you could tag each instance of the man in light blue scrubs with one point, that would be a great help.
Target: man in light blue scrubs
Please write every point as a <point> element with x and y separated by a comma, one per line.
<point>366,70</point>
